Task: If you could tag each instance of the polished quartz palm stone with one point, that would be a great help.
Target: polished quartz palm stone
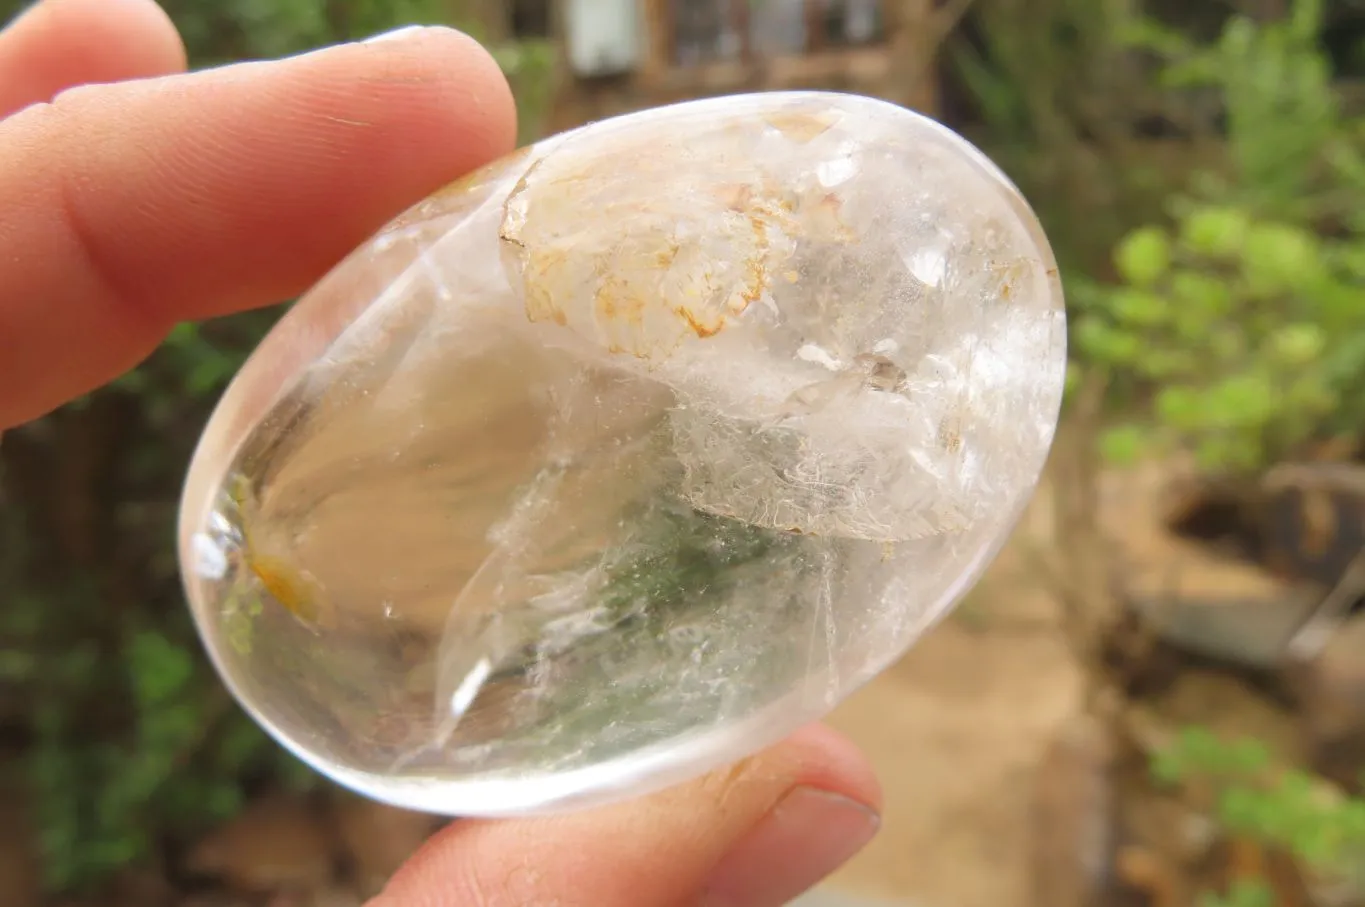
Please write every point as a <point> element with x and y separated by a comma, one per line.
<point>628,454</point>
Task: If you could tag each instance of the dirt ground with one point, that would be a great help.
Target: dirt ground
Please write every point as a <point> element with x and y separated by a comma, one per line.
<point>955,730</point>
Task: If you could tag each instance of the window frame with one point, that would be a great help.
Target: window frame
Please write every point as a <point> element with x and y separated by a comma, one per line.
<point>661,17</point>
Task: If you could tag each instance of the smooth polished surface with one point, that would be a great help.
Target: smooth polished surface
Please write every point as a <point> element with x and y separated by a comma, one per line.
<point>629,454</point>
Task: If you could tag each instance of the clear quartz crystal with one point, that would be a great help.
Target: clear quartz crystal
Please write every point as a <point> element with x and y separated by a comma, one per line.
<point>628,454</point>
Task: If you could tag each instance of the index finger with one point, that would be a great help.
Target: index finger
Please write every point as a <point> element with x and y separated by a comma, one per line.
<point>127,208</point>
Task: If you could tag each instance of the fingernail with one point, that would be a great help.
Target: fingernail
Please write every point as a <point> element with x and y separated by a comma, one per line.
<point>398,34</point>
<point>807,835</point>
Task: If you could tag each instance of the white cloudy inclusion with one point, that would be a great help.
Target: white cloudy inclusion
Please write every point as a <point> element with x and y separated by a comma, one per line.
<point>628,454</point>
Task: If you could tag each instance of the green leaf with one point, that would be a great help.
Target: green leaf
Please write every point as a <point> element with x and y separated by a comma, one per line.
<point>1181,407</point>
<point>1248,756</point>
<point>1124,446</point>
<point>1305,20</point>
<point>1243,810</point>
<point>1102,342</point>
<point>1200,298</point>
<point>1216,232</point>
<point>1242,400</point>
<point>1167,767</point>
<point>1248,893</point>
<point>1145,33</point>
<point>1279,258</point>
<point>1297,344</point>
<point>1351,817</point>
<point>1144,256</point>
<point>1229,452</point>
<point>1140,308</point>
<point>160,669</point>
<point>1074,376</point>
<point>221,801</point>
<point>1170,363</point>
<point>1194,72</point>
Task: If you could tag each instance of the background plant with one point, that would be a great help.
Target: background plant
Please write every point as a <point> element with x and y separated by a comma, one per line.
<point>1205,198</point>
<point>1237,327</point>
<point>1252,800</point>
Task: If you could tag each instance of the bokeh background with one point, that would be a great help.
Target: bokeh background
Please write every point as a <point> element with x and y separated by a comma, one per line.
<point>1157,696</point>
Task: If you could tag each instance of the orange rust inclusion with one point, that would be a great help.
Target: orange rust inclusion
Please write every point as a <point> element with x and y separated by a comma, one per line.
<point>638,259</point>
<point>801,126</point>
<point>286,585</point>
<point>702,330</point>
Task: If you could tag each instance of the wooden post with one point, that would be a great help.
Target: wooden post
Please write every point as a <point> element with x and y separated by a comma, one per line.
<point>491,18</point>
<point>656,22</point>
<point>912,80</point>
<point>742,23</point>
<point>567,104</point>
<point>815,26</point>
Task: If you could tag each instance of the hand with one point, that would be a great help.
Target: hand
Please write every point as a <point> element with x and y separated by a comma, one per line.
<point>134,196</point>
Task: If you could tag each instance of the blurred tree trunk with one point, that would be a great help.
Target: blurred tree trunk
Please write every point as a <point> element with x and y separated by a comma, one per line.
<point>493,18</point>
<point>918,29</point>
<point>338,13</point>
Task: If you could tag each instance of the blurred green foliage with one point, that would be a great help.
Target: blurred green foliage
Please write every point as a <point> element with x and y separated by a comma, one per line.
<point>1199,175</point>
<point>1055,98</point>
<point>1236,327</point>
<point>1242,893</point>
<point>126,741</point>
<point>1282,809</point>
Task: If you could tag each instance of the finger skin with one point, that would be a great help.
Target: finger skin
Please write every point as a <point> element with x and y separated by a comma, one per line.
<point>127,208</point>
<point>61,43</point>
<point>659,851</point>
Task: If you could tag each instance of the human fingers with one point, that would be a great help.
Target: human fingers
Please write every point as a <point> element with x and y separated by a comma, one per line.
<point>755,835</point>
<point>127,208</point>
<point>57,44</point>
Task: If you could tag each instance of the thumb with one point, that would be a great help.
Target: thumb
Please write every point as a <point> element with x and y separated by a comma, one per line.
<point>755,835</point>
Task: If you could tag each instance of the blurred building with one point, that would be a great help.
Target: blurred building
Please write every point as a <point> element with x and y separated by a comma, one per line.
<point>621,55</point>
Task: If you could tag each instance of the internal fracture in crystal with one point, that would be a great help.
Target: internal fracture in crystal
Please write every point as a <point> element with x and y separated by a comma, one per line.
<point>628,454</point>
